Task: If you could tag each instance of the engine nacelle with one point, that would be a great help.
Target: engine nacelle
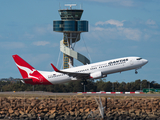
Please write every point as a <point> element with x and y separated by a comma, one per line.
<point>73,78</point>
<point>97,75</point>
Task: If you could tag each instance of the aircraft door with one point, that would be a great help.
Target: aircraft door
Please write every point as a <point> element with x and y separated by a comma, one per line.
<point>131,62</point>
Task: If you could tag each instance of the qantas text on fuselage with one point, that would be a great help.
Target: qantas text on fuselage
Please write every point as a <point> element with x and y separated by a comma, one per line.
<point>90,71</point>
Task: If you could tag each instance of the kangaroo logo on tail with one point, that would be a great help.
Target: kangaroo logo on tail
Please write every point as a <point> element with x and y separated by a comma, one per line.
<point>26,70</point>
<point>29,72</point>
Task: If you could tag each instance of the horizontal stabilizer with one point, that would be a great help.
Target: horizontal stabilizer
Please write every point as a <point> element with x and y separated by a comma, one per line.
<point>24,79</point>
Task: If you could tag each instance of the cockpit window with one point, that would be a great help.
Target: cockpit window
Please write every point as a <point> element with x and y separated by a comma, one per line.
<point>139,58</point>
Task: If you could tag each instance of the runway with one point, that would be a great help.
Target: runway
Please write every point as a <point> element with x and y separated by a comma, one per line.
<point>41,93</point>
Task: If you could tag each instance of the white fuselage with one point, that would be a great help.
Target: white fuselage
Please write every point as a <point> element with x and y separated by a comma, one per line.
<point>105,68</point>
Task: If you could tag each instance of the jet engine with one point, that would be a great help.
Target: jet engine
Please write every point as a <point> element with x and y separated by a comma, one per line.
<point>97,75</point>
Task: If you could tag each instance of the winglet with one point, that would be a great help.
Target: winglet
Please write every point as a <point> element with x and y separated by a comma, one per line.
<point>54,68</point>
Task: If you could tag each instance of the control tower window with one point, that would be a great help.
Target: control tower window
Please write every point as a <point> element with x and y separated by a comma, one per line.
<point>70,14</point>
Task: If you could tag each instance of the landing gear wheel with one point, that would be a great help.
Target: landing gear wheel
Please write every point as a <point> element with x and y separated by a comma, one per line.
<point>136,72</point>
<point>84,82</point>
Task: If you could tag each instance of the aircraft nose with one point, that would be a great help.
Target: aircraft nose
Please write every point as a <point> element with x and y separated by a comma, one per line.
<point>145,61</point>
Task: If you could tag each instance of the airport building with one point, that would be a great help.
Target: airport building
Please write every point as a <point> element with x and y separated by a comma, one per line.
<point>71,26</point>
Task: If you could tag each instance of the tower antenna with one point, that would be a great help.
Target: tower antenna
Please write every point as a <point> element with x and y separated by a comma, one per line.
<point>70,5</point>
<point>59,6</point>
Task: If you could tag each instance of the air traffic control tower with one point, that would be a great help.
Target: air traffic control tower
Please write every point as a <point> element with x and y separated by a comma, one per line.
<point>71,26</point>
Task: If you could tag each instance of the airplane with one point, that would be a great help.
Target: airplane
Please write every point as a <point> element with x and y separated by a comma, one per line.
<point>90,71</point>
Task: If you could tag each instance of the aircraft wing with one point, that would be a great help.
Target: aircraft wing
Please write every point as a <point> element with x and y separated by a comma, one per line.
<point>73,74</point>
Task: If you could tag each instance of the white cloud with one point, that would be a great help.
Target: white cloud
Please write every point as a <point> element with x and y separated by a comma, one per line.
<point>146,36</point>
<point>150,22</point>
<point>55,44</point>
<point>29,36</point>
<point>84,49</point>
<point>11,45</point>
<point>111,22</point>
<point>118,31</point>
<point>98,29</point>
<point>43,30</point>
<point>36,59</point>
<point>127,3</point>
<point>131,34</point>
<point>38,31</point>
<point>40,43</point>
<point>157,33</point>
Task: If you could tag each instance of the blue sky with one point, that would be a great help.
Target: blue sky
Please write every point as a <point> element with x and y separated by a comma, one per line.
<point>117,28</point>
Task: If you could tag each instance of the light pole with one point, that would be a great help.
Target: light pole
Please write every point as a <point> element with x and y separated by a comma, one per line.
<point>140,85</point>
<point>149,86</point>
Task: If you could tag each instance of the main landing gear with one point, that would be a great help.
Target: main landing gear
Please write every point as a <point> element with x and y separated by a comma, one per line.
<point>84,82</point>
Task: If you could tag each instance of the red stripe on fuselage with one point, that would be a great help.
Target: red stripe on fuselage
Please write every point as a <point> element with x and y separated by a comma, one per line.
<point>38,79</point>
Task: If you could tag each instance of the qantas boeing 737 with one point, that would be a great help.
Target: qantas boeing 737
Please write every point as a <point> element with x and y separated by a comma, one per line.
<point>90,71</point>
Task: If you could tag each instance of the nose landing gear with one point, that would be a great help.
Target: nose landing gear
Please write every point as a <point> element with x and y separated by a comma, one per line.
<point>136,72</point>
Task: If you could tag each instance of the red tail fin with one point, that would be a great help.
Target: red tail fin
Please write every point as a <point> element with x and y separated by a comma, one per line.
<point>24,68</point>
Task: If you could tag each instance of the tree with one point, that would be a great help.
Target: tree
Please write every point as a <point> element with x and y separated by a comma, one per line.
<point>76,86</point>
<point>108,86</point>
<point>121,87</point>
<point>91,87</point>
<point>137,84</point>
<point>144,84</point>
<point>100,85</point>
